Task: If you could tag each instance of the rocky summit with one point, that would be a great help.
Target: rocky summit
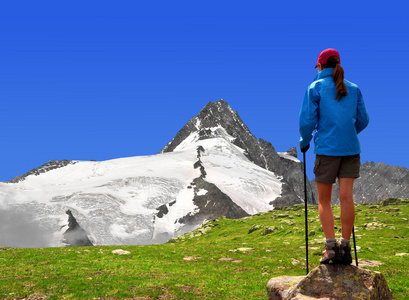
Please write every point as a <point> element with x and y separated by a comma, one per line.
<point>220,120</point>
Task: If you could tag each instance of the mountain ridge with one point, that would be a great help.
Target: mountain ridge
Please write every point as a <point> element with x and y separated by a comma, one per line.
<point>376,182</point>
<point>213,166</point>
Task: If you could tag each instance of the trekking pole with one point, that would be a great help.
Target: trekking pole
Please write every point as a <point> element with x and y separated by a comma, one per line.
<point>353,235</point>
<point>306,213</point>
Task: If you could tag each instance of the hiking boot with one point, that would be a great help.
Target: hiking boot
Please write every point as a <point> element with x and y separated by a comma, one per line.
<point>345,251</point>
<point>332,254</point>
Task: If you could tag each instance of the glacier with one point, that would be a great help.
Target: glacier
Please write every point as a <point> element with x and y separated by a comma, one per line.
<point>116,201</point>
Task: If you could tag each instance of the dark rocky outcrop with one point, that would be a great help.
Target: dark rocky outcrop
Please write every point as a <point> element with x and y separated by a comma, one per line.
<point>331,282</point>
<point>51,165</point>
<point>261,152</point>
<point>377,182</point>
<point>210,201</point>
<point>289,198</point>
<point>292,152</point>
<point>162,210</point>
<point>75,235</point>
<point>212,205</point>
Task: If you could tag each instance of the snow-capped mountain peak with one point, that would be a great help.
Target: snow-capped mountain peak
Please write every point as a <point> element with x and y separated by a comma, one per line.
<point>214,166</point>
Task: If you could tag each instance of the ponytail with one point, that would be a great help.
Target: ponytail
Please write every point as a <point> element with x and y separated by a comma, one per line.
<point>338,76</point>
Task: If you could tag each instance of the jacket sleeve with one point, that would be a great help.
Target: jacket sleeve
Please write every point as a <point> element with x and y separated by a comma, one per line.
<point>308,115</point>
<point>362,117</point>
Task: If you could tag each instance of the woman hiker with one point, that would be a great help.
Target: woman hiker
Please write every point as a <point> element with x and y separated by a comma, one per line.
<point>334,108</point>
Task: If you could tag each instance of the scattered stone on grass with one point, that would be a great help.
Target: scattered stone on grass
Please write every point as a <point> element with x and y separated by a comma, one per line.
<point>242,249</point>
<point>191,257</point>
<point>318,241</point>
<point>367,263</point>
<point>271,229</point>
<point>374,226</point>
<point>36,297</point>
<point>390,201</point>
<point>254,228</point>
<point>310,248</point>
<point>121,252</point>
<point>289,222</point>
<point>226,258</point>
<point>296,262</point>
<point>402,254</point>
<point>278,216</point>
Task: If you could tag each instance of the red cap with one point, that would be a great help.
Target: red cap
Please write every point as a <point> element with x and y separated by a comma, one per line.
<point>324,55</point>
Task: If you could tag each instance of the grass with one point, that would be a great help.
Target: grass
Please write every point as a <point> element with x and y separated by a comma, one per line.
<point>221,260</point>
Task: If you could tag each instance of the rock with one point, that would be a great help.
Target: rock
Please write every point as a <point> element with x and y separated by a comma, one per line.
<point>312,232</point>
<point>244,249</point>
<point>280,288</point>
<point>281,216</point>
<point>368,263</point>
<point>121,252</point>
<point>226,258</point>
<point>374,226</point>
<point>191,257</point>
<point>296,262</point>
<point>254,228</point>
<point>331,282</point>
<point>271,229</point>
<point>289,222</point>
<point>75,235</point>
<point>390,201</point>
<point>289,198</point>
<point>268,229</point>
<point>292,152</point>
<point>51,165</point>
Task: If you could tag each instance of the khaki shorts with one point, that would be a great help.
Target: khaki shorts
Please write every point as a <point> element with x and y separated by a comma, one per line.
<point>328,168</point>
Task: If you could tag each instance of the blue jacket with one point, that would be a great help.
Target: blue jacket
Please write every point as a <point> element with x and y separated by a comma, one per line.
<point>337,123</point>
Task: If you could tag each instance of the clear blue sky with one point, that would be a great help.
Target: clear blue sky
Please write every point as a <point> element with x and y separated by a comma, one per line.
<point>84,80</point>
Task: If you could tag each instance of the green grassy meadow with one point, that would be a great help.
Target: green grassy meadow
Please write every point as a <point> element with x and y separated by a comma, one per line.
<point>220,260</point>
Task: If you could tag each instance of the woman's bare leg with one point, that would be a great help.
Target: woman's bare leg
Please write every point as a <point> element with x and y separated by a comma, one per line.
<point>325,209</point>
<point>346,198</point>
